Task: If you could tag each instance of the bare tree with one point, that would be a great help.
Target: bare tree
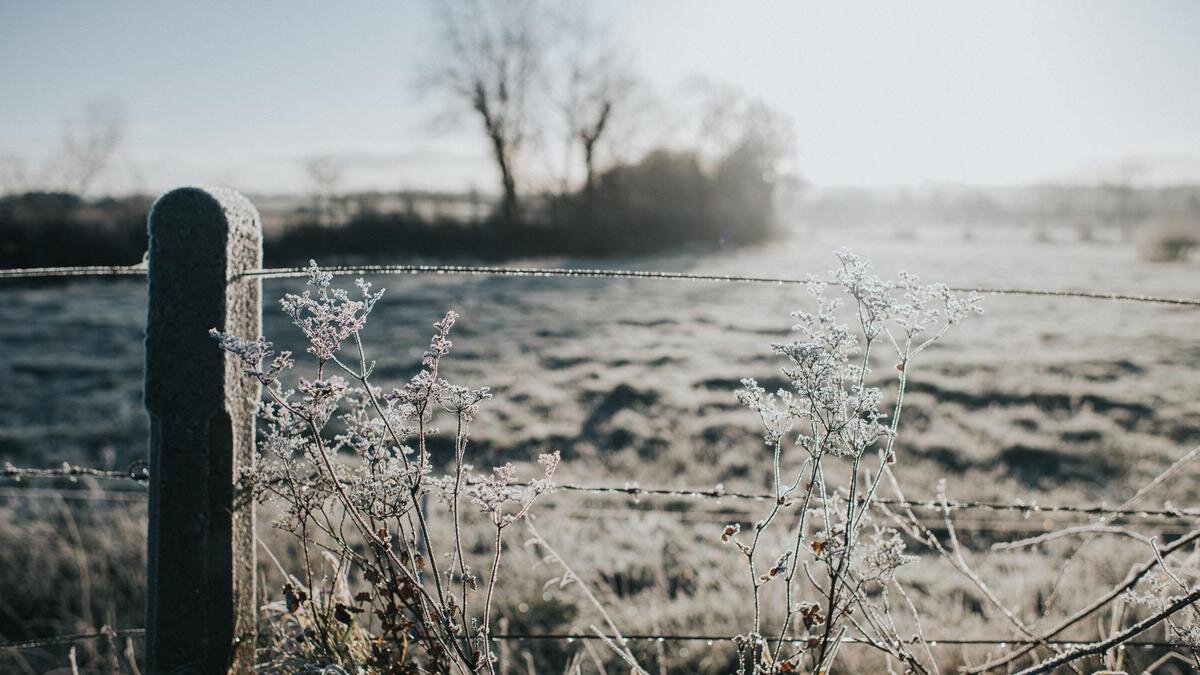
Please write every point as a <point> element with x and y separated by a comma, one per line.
<point>598,82</point>
<point>89,144</point>
<point>15,175</point>
<point>492,65</point>
<point>326,174</point>
<point>729,119</point>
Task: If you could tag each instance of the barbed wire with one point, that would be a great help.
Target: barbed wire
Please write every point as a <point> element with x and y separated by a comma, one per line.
<point>933,642</point>
<point>138,471</point>
<point>57,640</point>
<point>39,643</point>
<point>534,272</point>
<point>556,509</point>
<point>77,271</point>
<point>976,527</point>
<point>1030,507</point>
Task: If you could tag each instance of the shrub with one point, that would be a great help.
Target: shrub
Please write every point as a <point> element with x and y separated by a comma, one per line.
<point>52,229</point>
<point>1172,241</point>
<point>365,523</point>
<point>827,576</point>
<point>830,416</point>
<point>421,607</point>
<point>668,200</point>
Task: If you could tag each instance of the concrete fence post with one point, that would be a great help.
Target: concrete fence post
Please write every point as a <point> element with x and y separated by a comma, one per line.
<point>201,604</point>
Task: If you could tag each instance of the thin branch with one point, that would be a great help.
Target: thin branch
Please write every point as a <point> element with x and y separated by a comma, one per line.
<point>1102,646</point>
<point>1130,581</point>
<point>1071,531</point>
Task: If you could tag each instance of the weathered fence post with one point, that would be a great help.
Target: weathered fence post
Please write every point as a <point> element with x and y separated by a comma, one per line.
<point>200,612</point>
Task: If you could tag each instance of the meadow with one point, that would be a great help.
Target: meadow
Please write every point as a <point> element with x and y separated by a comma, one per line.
<point>1048,400</point>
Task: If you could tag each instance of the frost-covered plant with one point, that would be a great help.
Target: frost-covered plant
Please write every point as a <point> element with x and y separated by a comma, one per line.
<point>1165,587</point>
<point>367,517</point>
<point>829,414</point>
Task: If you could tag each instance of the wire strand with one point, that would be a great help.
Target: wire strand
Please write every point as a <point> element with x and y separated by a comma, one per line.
<point>933,642</point>
<point>78,271</point>
<point>534,272</point>
<point>138,471</point>
<point>1023,507</point>
<point>57,640</point>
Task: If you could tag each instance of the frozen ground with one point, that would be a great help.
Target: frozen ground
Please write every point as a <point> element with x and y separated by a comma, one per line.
<point>1054,400</point>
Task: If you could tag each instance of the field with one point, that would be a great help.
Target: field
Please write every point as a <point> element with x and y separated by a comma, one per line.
<point>1052,400</point>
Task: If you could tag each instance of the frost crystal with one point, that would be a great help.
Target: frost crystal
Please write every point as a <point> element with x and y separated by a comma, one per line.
<point>331,317</point>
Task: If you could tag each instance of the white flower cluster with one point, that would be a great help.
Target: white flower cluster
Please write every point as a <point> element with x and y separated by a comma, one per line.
<point>372,510</point>
<point>830,406</point>
<point>331,317</point>
<point>257,356</point>
<point>830,411</point>
<point>491,493</point>
<point>380,428</point>
<point>1162,588</point>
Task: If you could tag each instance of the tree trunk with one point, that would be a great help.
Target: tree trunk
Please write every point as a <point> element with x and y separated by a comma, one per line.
<point>589,138</point>
<point>589,163</point>
<point>509,207</point>
<point>501,152</point>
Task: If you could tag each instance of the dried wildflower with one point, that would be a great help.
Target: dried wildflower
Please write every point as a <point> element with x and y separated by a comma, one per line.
<point>778,568</point>
<point>873,295</point>
<point>1158,590</point>
<point>254,355</point>
<point>440,345</point>
<point>458,400</point>
<point>319,398</point>
<point>331,316</point>
<point>1186,634</point>
<point>819,546</point>
<point>293,597</point>
<point>374,506</point>
<point>831,411</point>
<point>345,613</point>
<point>920,311</point>
<point>810,614</point>
<point>491,493</point>
<point>776,420</point>
<point>883,554</point>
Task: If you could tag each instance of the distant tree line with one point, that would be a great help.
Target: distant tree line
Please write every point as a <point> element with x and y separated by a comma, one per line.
<point>50,229</point>
<point>667,200</point>
<point>523,73</point>
<point>1114,205</point>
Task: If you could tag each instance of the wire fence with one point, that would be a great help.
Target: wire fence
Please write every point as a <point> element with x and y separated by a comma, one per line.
<point>1029,517</point>
<point>711,639</point>
<point>138,472</point>
<point>73,272</point>
<point>578,273</point>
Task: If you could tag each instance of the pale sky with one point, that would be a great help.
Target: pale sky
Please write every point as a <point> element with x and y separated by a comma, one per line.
<point>887,93</point>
